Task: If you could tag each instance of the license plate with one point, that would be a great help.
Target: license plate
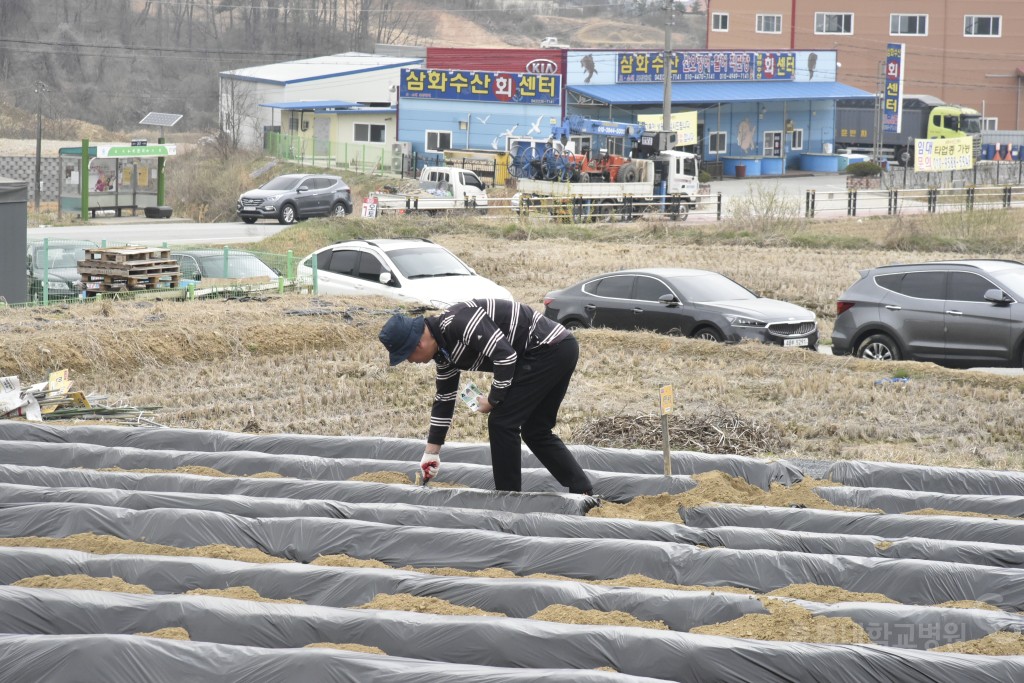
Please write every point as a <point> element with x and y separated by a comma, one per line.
<point>795,342</point>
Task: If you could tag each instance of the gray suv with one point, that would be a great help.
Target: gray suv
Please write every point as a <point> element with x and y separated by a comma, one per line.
<point>296,196</point>
<point>957,313</point>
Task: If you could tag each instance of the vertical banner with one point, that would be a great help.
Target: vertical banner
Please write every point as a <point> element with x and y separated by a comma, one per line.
<point>892,104</point>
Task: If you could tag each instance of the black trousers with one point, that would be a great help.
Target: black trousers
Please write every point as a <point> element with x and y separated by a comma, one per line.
<point>529,412</point>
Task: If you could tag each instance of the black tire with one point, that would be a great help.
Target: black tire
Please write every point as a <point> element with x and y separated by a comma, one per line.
<point>574,324</point>
<point>878,347</point>
<point>338,210</point>
<point>708,334</point>
<point>287,215</point>
<point>584,177</point>
<point>248,219</point>
<point>628,173</point>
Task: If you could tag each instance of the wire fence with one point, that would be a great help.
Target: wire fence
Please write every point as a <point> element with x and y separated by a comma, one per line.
<point>368,158</point>
<point>60,271</point>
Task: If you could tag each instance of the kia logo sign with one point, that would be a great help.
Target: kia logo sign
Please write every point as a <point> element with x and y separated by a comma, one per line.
<point>542,66</point>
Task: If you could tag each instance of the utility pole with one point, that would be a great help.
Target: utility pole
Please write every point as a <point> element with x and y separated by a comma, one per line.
<point>666,107</point>
<point>40,89</point>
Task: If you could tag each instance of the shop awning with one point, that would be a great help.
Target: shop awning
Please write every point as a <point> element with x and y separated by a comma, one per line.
<point>638,94</point>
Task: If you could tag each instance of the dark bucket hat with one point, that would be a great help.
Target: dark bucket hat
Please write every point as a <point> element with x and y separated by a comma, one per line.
<point>400,335</point>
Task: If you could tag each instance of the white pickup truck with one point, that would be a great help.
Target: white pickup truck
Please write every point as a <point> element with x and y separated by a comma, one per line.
<point>553,43</point>
<point>440,188</point>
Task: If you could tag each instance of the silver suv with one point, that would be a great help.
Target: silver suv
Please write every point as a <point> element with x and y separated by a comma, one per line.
<point>297,196</point>
<point>957,313</point>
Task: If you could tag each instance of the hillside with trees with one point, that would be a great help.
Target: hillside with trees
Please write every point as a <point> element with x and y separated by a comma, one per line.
<point>108,62</point>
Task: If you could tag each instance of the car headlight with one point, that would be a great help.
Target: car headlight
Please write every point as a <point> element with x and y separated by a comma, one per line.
<point>743,321</point>
<point>271,200</point>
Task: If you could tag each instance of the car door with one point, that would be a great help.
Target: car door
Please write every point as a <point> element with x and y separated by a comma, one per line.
<point>368,276</point>
<point>336,271</point>
<point>978,332</point>
<point>917,314</point>
<point>650,312</point>
<point>306,199</point>
<point>611,304</point>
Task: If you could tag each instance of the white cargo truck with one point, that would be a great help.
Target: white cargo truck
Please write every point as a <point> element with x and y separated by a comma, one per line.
<point>439,188</point>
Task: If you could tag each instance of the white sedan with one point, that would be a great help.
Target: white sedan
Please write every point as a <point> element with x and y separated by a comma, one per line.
<point>414,271</point>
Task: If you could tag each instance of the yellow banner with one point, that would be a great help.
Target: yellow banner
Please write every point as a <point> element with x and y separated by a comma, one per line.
<point>948,154</point>
<point>683,122</point>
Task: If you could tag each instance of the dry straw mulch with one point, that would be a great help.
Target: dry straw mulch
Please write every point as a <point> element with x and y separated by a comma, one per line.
<point>170,633</point>
<point>712,431</point>
<point>112,584</point>
<point>354,647</point>
<point>192,469</point>
<point>109,545</point>
<point>404,602</point>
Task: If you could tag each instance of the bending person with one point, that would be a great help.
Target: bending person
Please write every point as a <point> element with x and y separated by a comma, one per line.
<point>532,358</point>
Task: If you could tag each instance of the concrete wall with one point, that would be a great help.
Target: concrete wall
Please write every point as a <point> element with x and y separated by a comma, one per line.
<point>24,168</point>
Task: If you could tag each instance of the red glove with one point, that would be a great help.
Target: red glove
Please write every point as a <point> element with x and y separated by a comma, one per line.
<point>430,463</point>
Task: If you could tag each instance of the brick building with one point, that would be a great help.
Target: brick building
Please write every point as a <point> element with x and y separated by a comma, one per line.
<point>967,52</point>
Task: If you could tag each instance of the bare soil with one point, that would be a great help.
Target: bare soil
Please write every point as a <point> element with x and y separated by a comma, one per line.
<point>789,622</point>
<point>354,647</point>
<point>717,487</point>
<point>192,469</point>
<point>170,633</point>
<point>564,614</point>
<point>404,602</point>
<point>999,644</point>
<point>240,593</point>
<point>83,582</point>
<point>108,545</point>
<point>813,592</point>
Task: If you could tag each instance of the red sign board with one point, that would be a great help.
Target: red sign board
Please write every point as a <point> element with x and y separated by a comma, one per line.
<point>513,61</point>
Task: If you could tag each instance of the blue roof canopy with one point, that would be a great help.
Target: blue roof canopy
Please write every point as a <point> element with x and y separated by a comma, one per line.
<point>716,91</point>
<point>313,105</point>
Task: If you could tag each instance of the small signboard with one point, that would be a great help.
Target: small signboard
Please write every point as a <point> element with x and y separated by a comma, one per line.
<point>667,399</point>
<point>370,208</point>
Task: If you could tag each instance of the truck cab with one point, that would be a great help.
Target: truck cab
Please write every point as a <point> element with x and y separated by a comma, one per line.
<point>679,170</point>
<point>454,183</point>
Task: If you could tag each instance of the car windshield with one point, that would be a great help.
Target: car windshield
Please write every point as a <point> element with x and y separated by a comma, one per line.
<point>710,287</point>
<point>282,183</point>
<point>1012,280</point>
<point>239,265</point>
<point>59,257</point>
<point>420,262</point>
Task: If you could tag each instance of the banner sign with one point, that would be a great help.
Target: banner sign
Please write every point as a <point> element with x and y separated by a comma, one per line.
<point>122,151</point>
<point>947,154</point>
<point>649,67</point>
<point>892,104</point>
<point>683,122</point>
<point>481,86</point>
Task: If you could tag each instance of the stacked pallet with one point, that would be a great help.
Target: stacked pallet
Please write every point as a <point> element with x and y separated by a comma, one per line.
<point>128,269</point>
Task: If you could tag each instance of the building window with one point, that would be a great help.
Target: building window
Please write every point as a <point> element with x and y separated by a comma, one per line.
<point>717,143</point>
<point>719,21</point>
<point>990,123</point>
<point>796,140</point>
<point>769,23</point>
<point>908,24</point>
<point>439,140</point>
<point>830,22</point>
<point>977,25</point>
<point>368,132</point>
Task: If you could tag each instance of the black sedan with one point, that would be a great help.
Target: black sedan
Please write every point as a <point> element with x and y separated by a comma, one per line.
<point>693,303</point>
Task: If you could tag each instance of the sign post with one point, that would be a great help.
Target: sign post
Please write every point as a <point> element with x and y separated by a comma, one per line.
<point>666,409</point>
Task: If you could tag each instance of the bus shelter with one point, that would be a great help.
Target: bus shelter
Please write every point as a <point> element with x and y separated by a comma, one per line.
<point>117,177</point>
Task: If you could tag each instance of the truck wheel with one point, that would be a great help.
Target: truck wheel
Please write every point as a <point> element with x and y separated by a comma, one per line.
<point>628,173</point>
<point>602,212</point>
<point>584,177</point>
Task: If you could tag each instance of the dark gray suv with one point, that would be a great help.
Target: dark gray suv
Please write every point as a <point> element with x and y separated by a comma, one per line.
<point>957,313</point>
<point>296,196</point>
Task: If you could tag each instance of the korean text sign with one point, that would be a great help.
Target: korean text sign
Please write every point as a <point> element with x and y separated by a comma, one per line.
<point>481,86</point>
<point>649,67</point>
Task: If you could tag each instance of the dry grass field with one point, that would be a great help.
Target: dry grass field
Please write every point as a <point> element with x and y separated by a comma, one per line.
<point>267,365</point>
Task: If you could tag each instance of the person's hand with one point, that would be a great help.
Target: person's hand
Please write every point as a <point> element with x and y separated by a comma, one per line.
<point>430,463</point>
<point>483,405</point>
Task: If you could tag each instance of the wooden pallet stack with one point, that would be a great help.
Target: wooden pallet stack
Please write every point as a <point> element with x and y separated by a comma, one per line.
<point>128,269</point>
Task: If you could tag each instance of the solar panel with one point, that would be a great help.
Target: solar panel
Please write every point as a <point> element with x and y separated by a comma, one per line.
<point>155,118</point>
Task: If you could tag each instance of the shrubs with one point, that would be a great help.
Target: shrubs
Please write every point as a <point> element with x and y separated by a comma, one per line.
<point>864,169</point>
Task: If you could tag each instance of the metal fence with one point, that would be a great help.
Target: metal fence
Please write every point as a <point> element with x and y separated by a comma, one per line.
<point>60,272</point>
<point>371,159</point>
